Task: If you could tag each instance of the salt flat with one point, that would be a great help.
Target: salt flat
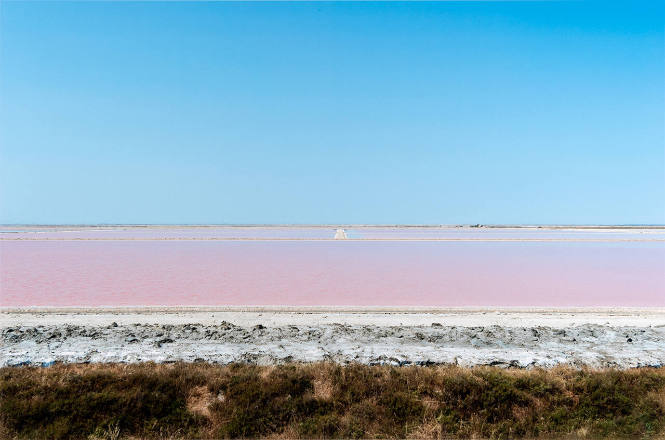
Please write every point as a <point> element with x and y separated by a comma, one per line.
<point>542,296</point>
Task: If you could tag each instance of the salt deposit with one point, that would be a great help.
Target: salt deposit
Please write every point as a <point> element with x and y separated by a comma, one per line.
<point>340,234</point>
<point>522,339</point>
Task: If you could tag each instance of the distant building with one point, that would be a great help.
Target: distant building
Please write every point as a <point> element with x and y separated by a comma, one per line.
<point>340,234</point>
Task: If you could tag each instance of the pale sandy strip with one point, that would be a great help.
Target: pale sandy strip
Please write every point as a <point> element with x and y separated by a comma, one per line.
<point>384,319</point>
<point>313,316</point>
<point>272,308</point>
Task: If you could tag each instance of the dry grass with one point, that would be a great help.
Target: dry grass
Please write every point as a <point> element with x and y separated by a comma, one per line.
<point>199,400</point>
<point>326,400</point>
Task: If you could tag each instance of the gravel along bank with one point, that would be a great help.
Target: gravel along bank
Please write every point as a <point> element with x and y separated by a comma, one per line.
<point>521,339</point>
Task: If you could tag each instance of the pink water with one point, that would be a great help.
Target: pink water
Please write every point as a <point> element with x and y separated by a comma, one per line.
<point>67,271</point>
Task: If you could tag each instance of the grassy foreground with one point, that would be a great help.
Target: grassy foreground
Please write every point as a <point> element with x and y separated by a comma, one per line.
<point>327,400</point>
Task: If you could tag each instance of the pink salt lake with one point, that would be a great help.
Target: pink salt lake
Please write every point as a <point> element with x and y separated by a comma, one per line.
<point>302,266</point>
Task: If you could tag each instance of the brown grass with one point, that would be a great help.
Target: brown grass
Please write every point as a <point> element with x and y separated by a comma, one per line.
<point>199,400</point>
<point>326,400</point>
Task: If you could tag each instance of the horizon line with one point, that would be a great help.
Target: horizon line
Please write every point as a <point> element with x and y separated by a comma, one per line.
<point>348,225</point>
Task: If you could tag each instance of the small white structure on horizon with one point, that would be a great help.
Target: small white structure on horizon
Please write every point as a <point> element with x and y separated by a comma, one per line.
<point>340,234</point>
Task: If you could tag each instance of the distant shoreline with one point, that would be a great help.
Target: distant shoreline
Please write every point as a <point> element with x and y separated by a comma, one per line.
<point>386,233</point>
<point>334,225</point>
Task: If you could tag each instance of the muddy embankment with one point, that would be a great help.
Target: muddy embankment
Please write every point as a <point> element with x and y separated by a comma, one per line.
<point>590,344</point>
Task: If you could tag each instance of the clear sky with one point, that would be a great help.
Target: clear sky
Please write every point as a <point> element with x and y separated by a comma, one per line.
<point>421,113</point>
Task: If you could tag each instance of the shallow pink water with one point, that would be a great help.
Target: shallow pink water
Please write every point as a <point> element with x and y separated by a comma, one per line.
<point>114,273</point>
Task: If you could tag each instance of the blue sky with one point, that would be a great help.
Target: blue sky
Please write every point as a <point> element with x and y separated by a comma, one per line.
<point>420,113</point>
